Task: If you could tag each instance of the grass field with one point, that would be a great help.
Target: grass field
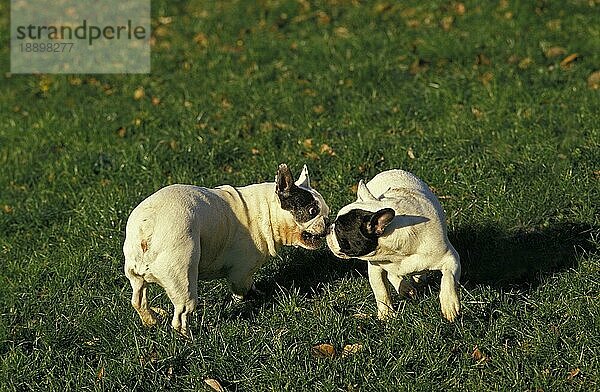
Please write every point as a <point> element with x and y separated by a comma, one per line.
<point>494,104</point>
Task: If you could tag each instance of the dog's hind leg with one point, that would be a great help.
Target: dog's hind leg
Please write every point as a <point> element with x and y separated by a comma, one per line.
<point>177,273</point>
<point>139,298</point>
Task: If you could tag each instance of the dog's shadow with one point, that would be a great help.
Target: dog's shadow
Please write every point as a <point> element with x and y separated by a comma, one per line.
<point>489,256</point>
<point>520,259</point>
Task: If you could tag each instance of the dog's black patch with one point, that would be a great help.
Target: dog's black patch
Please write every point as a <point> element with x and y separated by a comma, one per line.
<point>300,203</point>
<point>352,234</point>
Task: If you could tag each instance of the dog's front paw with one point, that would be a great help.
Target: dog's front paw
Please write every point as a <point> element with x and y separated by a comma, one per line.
<point>450,304</point>
<point>385,312</point>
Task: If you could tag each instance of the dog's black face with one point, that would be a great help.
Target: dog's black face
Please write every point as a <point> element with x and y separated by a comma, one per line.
<point>356,232</point>
<point>301,203</point>
<point>352,235</point>
<point>307,207</point>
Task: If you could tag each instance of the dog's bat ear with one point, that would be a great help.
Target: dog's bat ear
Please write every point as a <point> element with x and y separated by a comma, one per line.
<point>284,181</point>
<point>363,193</point>
<point>379,221</point>
<point>304,179</point>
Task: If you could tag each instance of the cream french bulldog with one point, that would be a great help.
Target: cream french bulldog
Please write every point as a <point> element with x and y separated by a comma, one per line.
<point>398,226</point>
<point>183,233</point>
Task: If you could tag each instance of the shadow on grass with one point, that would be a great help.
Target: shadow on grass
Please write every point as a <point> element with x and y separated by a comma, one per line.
<point>522,258</point>
<point>489,256</point>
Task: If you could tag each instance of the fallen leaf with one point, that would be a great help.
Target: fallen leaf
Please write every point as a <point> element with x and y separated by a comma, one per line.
<point>214,384</point>
<point>555,51</point>
<point>593,81</point>
<point>351,349</point>
<point>486,78</point>
<point>324,350</point>
<point>165,19</point>
<point>573,373</point>
<point>459,8</point>
<point>122,132</point>
<point>201,39</point>
<point>568,61</point>
<point>477,113</point>
<point>410,153</point>
<point>447,22</point>
<point>525,63</point>
<point>360,315</point>
<point>138,93</point>
<point>479,356</point>
<point>323,18</point>
<point>100,373</point>
<point>255,151</point>
<point>482,59</point>
<point>7,209</point>
<point>307,143</point>
<point>342,32</point>
<point>311,155</point>
<point>318,109</point>
<point>354,189</point>
<point>155,101</point>
<point>325,149</point>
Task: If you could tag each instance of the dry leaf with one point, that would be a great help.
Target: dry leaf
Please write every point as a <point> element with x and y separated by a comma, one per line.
<point>122,132</point>
<point>318,109</point>
<point>555,51</point>
<point>593,81</point>
<point>100,373</point>
<point>410,153</point>
<point>459,8</point>
<point>482,59</point>
<point>155,101</point>
<point>311,155</point>
<point>201,39</point>
<point>255,151</point>
<point>479,356</point>
<point>165,19</point>
<point>567,61</point>
<point>214,384</point>
<point>486,78</point>
<point>324,350</point>
<point>307,143</point>
<point>361,315</point>
<point>354,189</point>
<point>573,373</point>
<point>138,93</point>
<point>323,18</point>
<point>447,22</point>
<point>7,209</point>
<point>325,149</point>
<point>525,63</point>
<point>477,113</point>
<point>351,349</point>
<point>342,32</point>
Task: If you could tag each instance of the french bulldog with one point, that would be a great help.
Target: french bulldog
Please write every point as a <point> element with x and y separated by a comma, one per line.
<point>398,226</point>
<point>183,233</point>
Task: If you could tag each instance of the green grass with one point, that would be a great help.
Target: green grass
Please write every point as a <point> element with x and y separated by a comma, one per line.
<point>507,137</point>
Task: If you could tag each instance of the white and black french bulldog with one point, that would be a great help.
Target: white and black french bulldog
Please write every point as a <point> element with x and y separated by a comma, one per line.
<point>398,226</point>
<point>183,233</point>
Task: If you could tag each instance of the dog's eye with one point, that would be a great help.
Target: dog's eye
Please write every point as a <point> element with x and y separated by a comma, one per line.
<point>313,211</point>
